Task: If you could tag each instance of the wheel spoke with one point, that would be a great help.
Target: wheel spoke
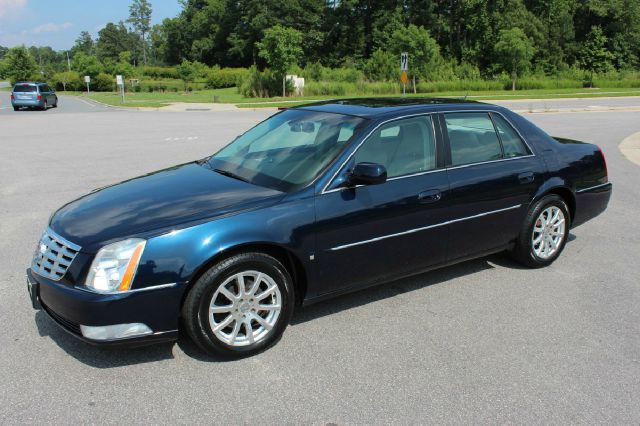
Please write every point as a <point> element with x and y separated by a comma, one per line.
<point>223,324</point>
<point>249,330</point>
<point>241,286</point>
<point>234,333</point>
<point>268,307</point>
<point>262,322</point>
<point>266,293</point>
<point>256,284</point>
<point>225,291</point>
<point>215,309</point>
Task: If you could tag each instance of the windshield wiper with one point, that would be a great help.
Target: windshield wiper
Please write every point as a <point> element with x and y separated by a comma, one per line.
<point>230,174</point>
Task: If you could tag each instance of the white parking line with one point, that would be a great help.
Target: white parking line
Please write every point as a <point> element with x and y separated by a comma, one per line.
<point>87,102</point>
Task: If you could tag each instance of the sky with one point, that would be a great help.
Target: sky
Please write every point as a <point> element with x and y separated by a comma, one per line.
<point>57,23</point>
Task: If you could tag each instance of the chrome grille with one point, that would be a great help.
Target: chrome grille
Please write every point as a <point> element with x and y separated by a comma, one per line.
<point>53,256</point>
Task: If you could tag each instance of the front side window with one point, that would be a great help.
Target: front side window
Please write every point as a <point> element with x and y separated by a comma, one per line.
<point>287,151</point>
<point>472,138</point>
<point>403,146</point>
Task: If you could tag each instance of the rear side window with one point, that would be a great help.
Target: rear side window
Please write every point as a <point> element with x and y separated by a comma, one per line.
<point>511,142</point>
<point>472,138</point>
<point>24,88</point>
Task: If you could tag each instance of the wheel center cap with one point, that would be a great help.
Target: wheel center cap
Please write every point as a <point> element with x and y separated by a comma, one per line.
<point>244,307</point>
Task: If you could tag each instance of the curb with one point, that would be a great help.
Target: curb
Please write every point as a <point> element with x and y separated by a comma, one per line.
<point>630,148</point>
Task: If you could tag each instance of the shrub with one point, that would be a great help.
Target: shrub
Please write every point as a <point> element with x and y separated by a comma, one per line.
<point>69,79</point>
<point>159,72</point>
<point>262,84</point>
<point>219,78</point>
<point>103,83</point>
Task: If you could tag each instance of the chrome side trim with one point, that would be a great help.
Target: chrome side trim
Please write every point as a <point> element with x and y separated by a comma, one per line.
<point>135,290</point>
<point>330,181</point>
<point>489,162</point>
<point>424,228</point>
<point>593,187</point>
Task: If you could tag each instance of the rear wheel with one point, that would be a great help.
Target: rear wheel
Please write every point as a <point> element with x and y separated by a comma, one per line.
<point>44,106</point>
<point>544,232</point>
<point>240,306</point>
<point>55,105</point>
<point>15,108</point>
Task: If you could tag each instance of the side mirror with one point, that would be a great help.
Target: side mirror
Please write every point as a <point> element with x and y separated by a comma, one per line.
<point>368,174</point>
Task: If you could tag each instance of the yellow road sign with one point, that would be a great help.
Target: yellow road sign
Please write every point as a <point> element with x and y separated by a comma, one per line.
<point>403,77</point>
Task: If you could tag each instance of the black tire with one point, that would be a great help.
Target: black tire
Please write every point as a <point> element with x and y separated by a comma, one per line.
<point>524,251</point>
<point>15,108</point>
<point>195,311</point>
<point>55,105</point>
<point>44,106</point>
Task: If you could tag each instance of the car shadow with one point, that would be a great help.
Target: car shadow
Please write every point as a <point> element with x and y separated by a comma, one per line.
<point>110,357</point>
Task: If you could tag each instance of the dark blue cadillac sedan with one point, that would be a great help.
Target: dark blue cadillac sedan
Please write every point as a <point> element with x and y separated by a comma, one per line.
<point>314,202</point>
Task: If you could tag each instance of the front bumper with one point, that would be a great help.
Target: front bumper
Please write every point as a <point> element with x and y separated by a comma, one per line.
<point>70,307</point>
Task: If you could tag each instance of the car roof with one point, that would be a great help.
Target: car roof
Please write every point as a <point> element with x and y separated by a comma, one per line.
<point>378,107</point>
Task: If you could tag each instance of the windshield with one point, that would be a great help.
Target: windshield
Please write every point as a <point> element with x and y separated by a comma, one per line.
<point>287,151</point>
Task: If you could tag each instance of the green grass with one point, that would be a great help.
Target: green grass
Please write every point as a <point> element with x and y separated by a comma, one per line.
<point>230,95</point>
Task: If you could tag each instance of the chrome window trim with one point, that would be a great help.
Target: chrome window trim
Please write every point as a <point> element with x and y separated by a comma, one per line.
<point>593,187</point>
<point>424,228</point>
<point>133,290</point>
<point>341,168</point>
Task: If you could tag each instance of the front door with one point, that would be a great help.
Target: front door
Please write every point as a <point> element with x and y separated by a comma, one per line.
<point>377,232</point>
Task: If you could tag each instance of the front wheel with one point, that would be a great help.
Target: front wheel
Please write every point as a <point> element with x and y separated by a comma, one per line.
<point>240,306</point>
<point>544,232</point>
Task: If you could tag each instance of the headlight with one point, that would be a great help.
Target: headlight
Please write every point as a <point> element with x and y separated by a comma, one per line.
<point>115,266</point>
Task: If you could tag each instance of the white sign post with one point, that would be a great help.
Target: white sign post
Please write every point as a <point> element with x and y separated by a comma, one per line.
<point>404,66</point>
<point>87,80</point>
<point>120,84</point>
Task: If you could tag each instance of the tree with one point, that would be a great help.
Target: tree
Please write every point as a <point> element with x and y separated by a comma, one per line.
<point>187,72</point>
<point>18,65</point>
<point>140,19</point>
<point>84,43</point>
<point>514,52</point>
<point>595,57</point>
<point>86,64</point>
<point>112,40</point>
<point>423,50</point>
<point>280,47</point>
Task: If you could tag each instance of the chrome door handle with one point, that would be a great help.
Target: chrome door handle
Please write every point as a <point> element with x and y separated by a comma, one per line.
<point>526,177</point>
<point>430,196</point>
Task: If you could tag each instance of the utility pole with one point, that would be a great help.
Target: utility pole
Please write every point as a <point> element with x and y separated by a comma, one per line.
<point>68,61</point>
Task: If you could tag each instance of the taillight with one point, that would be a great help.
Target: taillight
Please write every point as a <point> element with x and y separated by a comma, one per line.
<point>39,97</point>
<point>12,97</point>
<point>606,170</point>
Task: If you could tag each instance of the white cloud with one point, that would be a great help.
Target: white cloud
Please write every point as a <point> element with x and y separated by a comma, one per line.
<point>51,27</point>
<point>7,6</point>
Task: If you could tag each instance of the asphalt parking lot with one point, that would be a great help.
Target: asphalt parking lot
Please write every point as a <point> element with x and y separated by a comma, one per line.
<point>481,342</point>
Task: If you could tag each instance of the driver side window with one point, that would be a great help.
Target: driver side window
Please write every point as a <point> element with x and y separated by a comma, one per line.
<point>404,147</point>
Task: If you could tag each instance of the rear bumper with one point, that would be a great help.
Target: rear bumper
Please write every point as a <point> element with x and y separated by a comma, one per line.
<point>590,202</point>
<point>71,307</point>
<point>27,103</point>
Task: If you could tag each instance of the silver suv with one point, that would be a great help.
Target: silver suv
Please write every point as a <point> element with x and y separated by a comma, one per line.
<point>33,95</point>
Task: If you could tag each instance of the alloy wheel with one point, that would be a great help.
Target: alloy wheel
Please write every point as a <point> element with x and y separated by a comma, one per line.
<point>548,232</point>
<point>245,308</point>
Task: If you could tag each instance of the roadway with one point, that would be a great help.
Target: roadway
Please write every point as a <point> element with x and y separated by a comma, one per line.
<point>481,342</point>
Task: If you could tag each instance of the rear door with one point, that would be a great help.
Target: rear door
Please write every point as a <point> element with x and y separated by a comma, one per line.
<point>378,232</point>
<point>25,92</point>
<point>493,175</point>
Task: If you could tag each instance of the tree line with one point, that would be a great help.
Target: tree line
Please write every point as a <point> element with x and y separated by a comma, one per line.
<point>446,39</point>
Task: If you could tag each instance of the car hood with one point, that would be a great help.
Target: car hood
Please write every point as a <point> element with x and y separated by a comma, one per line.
<point>160,200</point>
